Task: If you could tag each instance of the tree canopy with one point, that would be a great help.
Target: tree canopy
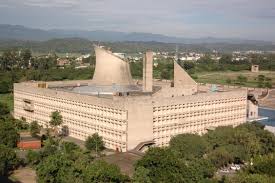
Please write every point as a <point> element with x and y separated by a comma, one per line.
<point>95,143</point>
<point>193,158</point>
<point>34,128</point>
<point>8,159</point>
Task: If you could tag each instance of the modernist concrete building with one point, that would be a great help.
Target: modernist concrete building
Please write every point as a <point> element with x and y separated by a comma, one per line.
<point>127,114</point>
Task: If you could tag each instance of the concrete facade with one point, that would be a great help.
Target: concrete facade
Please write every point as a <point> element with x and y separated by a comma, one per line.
<point>126,121</point>
<point>148,72</point>
<point>111,69</point>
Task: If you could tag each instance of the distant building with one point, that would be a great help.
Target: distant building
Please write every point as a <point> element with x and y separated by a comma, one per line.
<point>62,62</point>
<point>120,55</point>
<point>255,68</point>
<point>129,115</point>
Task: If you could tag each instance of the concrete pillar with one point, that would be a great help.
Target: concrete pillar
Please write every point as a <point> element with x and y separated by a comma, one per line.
<point>148,72</point>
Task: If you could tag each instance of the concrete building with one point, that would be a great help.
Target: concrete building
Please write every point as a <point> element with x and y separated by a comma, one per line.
<point>255,68</point>
<point>125,114</point>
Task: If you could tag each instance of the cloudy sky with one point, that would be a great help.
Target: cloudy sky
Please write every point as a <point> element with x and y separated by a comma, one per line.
<point>249,19</point>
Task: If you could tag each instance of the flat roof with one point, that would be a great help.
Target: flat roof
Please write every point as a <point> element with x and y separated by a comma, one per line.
<point>29,138</point>
<point>94,89</point>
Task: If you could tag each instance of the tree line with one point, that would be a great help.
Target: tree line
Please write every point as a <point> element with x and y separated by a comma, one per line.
<point>20,65</point>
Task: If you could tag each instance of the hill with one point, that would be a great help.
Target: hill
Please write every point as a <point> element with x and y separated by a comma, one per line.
<point>19,32</point>
<point>79,45</point>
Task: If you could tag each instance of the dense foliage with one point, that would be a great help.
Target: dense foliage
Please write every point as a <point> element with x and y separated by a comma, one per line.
<point>8,159</point>
<point>60,162</point>
<point>8,133</point>
<point>193,158</point>
<point>20,65</point>
<point>34,128</point>
<point>9,128</point>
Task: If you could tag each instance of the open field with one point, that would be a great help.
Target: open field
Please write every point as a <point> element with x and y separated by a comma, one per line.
<point>222,77</point>
<point>7,99</point>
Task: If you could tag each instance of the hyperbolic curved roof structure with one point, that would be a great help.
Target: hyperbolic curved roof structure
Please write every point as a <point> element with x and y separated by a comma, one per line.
<point>111,69</point>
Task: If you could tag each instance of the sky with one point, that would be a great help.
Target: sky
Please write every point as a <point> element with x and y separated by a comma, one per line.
<point>246,19</point>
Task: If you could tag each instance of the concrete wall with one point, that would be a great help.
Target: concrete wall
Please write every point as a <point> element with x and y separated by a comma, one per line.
<point>197,113</point>
<point>148,72</point>
<point>83,115</point>
<point>111,69</point>
<point>182,79</point>
<point>252,110</point>
<point>140,126</point>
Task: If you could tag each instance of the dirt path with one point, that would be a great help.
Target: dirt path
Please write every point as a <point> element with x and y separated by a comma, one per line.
<point>25,175</point>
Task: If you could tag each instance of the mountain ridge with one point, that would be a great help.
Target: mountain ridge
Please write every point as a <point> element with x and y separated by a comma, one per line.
<point>19,32</point>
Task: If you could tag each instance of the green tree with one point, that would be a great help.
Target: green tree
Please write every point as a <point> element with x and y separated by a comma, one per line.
<point>26,56</point>
<point>68,147</point>
<point>56,120</point>
<point>250,178</point>
<point>228,81</point>
<point>165,74</point>
<point>8,134</point>
<point>8,159</point>
<point>226,59</point>
<point>264,165</point>
<point>162,165</point>
<point>4,87</point>
<point>268,84</point>
<point>241,79</point>
<point>100,171</point>
<point>220,136</point>
<point>94,143</point>
<point>33,158</point>
<point>4,110</point>
<point>141,175</point>
<point>188,65</point>
<point>203,168</point>
<point>34,128</point>
<point>53,168</point>
<point>9,59</point>
<point>220,157</point>
<point>189,146</point>
<point>261,78</point>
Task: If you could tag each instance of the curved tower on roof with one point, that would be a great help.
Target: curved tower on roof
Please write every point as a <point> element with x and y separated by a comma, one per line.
<point>110,69</point>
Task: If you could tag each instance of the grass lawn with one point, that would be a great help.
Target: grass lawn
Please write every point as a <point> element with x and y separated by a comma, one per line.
<point>7,99</point>
<point>222,77</point>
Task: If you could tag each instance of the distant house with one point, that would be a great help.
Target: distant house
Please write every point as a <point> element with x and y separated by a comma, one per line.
<point>120,55</point>
<point>62,62</point>
<point>255,68</point>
